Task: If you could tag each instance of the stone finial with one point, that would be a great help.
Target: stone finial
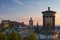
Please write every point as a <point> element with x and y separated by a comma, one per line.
<point>48,8</point>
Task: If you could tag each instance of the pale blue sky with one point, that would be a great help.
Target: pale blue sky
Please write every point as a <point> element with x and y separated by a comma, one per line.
<point>22,10</point>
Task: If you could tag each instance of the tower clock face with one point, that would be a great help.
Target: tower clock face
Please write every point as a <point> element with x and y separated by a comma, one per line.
<point>30,22</point>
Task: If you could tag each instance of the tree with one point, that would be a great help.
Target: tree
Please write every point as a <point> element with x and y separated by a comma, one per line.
<point>0,35</point>
<point>3,36</point>
<point>13,36</point>
<point>32,36</point>
<point>20,37</point>
<point>25,38</point>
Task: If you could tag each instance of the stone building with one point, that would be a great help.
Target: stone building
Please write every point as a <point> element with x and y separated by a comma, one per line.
<point>49,32</point>
<point>5,24</point>
<point>30,22</point>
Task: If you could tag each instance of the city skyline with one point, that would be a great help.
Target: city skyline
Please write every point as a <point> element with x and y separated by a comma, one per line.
<point>23,10</point>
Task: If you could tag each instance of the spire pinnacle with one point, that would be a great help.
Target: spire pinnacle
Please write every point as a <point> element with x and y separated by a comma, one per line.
<point>37,23</point>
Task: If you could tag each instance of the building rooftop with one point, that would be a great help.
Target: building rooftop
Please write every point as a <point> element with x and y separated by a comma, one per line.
<point>48,11</point>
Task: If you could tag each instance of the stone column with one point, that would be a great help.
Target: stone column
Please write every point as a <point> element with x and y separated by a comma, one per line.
<point>50,22</point>
<point>44,26</point>
<point>53,23</point>
<point>47,22</point>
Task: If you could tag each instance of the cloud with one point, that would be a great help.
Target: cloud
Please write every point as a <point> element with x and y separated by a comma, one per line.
<point>18,2</point>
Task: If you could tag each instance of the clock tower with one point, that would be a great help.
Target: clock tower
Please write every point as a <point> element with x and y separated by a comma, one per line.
<point>30,22</point>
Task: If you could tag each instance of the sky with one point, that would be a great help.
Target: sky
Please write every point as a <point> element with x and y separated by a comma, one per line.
<point>23,10</point>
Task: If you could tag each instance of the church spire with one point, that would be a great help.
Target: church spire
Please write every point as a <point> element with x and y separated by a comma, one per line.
<point>37,23</point>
